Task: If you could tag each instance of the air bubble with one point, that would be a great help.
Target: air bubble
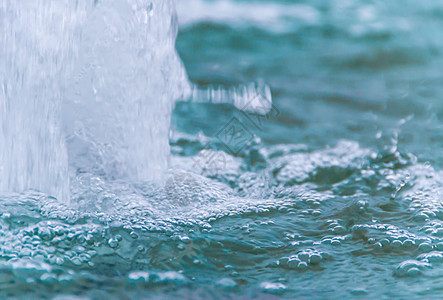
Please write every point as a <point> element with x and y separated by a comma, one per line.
<point>227,283</point>
<point>425,247</point>
<point>414,265</point>
<point>315,259</point>
<point>302,266</point>
<point>113,243</point>
<point>273,287</point>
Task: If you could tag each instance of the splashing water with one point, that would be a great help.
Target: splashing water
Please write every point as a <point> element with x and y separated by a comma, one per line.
<point>114,103</point>
<point>36,40</point>
<point>335,191</point>
<point>118,106</point>
<point>103,76</point>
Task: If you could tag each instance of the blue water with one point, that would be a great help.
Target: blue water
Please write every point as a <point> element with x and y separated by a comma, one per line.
<point>336,193</point>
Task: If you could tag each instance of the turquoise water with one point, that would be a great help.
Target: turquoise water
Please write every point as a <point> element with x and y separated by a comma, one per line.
<point>336,193</point>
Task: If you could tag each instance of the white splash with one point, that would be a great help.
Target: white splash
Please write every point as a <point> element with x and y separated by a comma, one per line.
<point>114,106</point>
<point>128,75</point>
<point>36,50</point>
<point>100,77</point>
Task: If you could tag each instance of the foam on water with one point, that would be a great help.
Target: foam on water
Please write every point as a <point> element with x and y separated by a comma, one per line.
<point>353,215</point>
<point>182,225</point>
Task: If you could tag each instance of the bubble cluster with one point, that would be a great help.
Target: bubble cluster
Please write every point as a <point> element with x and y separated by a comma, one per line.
<point>197,228</point>
<point>308,258</point>
<point>410,268</point>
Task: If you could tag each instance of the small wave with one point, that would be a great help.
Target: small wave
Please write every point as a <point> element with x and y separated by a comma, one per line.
<point>356,20</point>
<point>270,16</point>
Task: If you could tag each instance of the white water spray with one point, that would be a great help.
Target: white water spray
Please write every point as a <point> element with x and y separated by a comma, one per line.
<point>90,86</point>
<point>119,102</point>
<point>36,51</point>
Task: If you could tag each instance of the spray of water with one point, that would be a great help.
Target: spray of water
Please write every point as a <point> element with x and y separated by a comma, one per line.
<point>117,110</point>
<point>89,86</point>
<point>36,51</point>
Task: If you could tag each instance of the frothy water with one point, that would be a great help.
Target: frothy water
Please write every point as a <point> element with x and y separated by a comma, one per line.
<point>331,191</point>
<point>92,88</point>
<point>36,57</point>
<point>104,77</point>
<point>118,106</point>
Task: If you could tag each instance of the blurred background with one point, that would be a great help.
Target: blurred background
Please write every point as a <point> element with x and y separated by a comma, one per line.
<point>368,71</point>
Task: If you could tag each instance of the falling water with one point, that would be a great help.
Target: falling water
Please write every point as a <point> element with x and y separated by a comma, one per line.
<point>335,193</point>
<point>36,50</point>
<point>101,78</point>
<point>118,105</point>
<point>105,73</point>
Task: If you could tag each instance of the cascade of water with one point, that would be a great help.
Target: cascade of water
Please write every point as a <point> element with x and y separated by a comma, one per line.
<point>36,51</point>
<point>100,77</point>
<point>119,103</point>
<point>114,106</point>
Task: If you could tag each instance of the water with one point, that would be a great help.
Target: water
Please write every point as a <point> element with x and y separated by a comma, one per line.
<point>33,66</point>
<point>126,80</point>
<point>335,193</point>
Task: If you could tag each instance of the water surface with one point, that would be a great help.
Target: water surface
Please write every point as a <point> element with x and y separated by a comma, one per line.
<point>337,193</point>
